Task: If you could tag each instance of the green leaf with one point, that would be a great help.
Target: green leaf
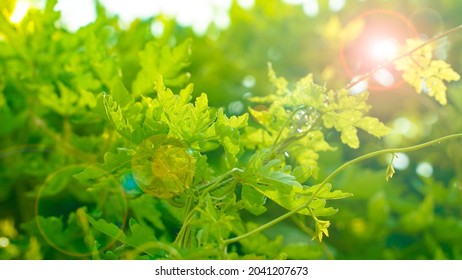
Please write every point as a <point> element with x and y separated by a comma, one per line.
<point>64,102</point>
<point>199,126</point>
<point>347,112</point>
<point>146,117</point>
<point>109,229</point>
<point>326,192</point>
<point>156,60</point>
<point>259,245</point>
<point>119,162</point>
<point>145,211</point>
<point>253,200</point>
<point>305,151</point>
<point>302,173</point>
<point>282,188</point>
<point>121,94</point>
<point>140,235</point>
<point>139,238</point>
<point>279,83</point>
<point>227,131</point>
<point>115,115</point>
<point>425,74</point>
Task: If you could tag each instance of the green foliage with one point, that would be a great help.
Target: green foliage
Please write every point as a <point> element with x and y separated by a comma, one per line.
<point>424,73</point>
<point>269,179</point>
<point>109,153</point>
<point>158,60</point>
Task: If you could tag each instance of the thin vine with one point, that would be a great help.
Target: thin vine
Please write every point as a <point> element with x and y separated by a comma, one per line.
<point>329,178</point>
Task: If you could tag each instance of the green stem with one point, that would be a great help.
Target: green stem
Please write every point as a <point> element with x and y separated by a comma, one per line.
<point>182,239</point>
<point>386,151</point>
<point>332,175</point>
<point>302,225</point>
<point>298,136</point>
<point>147,248</point>
<point>265,226</point>
<point>217,181</point>
<point>287,122</point>
<point>191,210</point>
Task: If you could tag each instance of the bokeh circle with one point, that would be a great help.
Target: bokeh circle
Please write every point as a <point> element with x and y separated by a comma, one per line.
<point>163,166</point>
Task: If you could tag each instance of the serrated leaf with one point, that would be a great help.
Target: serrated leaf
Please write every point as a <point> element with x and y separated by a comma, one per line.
<point>279,83</point>
<point>256,138</point>
<point>115,115</point>
<point>253,200</point>
<point>121,94</point>
<point>349,136</point>
<point>373,126</point>
<point>425,74</point>
<point>347,112</point>
<point>237,121</point>
<point>228,135</point>
<point>327,193</point>
<point>318,208</point>
<point>157,59</point>
<point>302,173</point>
<point>263,117</point>
<point>283,188</point>
<point>112,163</point>
<point>140,235</point>
<point>147,118</point>
<point>109,229</point>
<point>279,187</point>
<point>145,211</point>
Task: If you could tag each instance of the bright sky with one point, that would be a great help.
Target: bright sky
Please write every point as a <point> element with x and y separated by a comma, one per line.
<point>198,13</point>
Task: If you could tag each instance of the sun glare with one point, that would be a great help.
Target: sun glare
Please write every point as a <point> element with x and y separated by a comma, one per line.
<point>383,49</point>
<point>19,12</point>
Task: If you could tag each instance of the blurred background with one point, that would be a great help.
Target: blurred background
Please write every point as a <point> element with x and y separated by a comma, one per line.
<point>416,215</point>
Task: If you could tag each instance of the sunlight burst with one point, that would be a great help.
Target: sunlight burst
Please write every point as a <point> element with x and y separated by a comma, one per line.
<point>383,50</point>
<point>20,12</point>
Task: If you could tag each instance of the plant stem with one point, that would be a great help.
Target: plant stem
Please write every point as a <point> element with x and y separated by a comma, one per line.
<point>408,53</point>
<point>191,210</point>
<point>332,175</point>
<point>287,122</point>
<point>297,136</point>
<point>265,226</point>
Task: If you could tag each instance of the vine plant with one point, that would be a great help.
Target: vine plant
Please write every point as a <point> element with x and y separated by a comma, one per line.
<point>284,143</point>
<point>157,148</point>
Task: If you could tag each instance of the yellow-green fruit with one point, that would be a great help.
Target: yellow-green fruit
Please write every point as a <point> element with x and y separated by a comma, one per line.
<point>162,166</point>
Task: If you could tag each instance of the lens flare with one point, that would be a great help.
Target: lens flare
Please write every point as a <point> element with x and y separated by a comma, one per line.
<point>382,50</point>
<point>19,12</point>
<point>377,44</point>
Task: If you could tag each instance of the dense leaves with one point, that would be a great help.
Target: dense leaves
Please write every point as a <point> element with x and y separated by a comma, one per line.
<point>108,152</point>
